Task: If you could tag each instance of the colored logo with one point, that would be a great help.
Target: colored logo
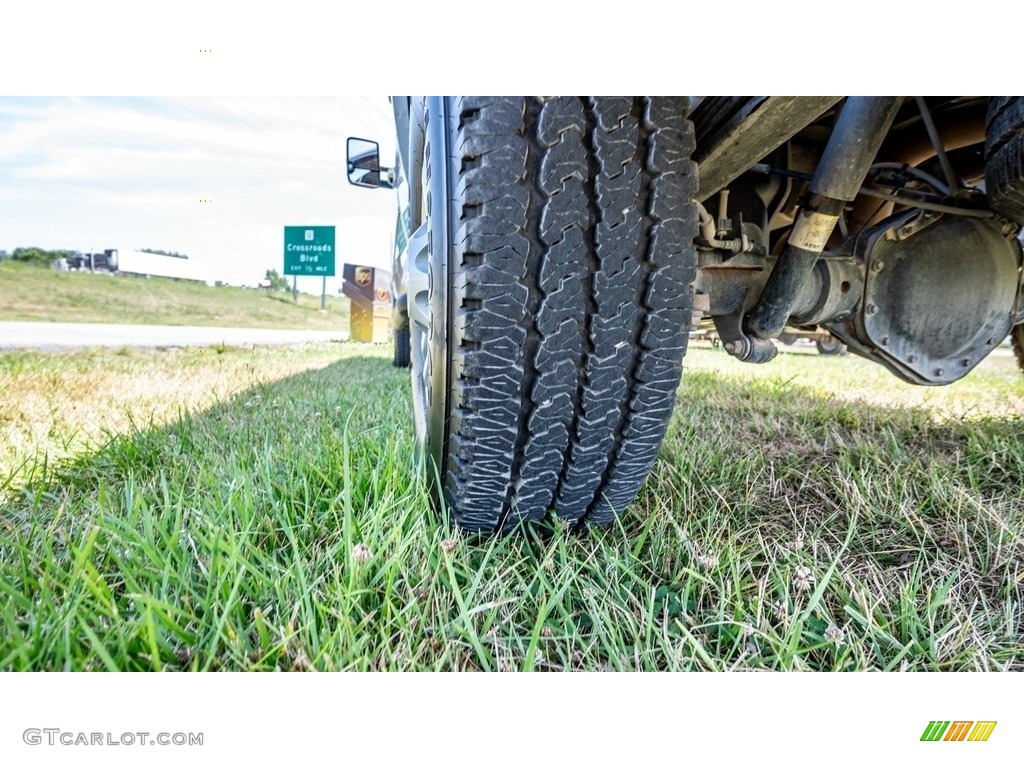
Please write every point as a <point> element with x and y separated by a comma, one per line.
<point>959,730</point>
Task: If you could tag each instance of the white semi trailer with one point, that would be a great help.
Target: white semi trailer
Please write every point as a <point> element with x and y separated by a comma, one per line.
<point>157,265</point>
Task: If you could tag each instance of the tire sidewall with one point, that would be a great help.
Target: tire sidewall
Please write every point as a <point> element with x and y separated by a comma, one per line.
<point>431,371</point>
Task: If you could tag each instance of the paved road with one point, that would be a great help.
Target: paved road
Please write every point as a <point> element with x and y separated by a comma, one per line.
<point>69,335</point>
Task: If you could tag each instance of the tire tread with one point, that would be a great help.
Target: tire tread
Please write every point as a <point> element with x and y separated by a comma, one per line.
<point>571,304</point>
<point>402,349</point>
<point>1004,156</point>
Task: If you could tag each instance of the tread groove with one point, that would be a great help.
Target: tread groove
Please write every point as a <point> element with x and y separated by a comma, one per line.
<point>613,173</point>
<point>640,299</point>
<point>594,218</point>
<point>528,321</point>
<point>561,228</point>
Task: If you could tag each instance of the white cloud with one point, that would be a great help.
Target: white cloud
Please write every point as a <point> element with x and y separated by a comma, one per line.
<point>128,173</point>
<point>74,167</point>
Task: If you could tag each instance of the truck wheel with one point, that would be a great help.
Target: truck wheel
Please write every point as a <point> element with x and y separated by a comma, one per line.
<point>1004,156</point>
<point>550,295</point>
<point>830,346</point>
<point>401,338</point>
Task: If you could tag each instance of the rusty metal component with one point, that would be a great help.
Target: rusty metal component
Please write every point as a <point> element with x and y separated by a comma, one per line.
<point>718,236</point>
<point>728,288</point>
<point>739,344</point>
<point>831,292</point>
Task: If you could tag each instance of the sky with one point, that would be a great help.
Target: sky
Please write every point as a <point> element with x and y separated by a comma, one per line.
<point>90,173</point>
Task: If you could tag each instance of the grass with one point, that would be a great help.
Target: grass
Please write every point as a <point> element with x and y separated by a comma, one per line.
<point>257,510</point>
<point>38,294</point>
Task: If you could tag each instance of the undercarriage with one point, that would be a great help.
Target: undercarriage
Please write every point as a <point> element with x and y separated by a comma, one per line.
<point>870,221</point>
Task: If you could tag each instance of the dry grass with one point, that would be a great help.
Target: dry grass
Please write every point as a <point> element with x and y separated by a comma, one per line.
<point>62,405</point>
<point>39,294</point>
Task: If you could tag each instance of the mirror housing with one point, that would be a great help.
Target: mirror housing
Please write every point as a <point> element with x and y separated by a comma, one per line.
<point>363,163</point>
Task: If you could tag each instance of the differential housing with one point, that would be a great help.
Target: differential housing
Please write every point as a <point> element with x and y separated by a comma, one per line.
<point>939,293</point>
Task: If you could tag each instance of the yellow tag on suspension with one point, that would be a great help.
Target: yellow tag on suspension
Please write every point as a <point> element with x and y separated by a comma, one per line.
<point>812,231</point>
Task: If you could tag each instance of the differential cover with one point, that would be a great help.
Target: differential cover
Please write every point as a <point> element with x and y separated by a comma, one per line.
<point>938,300</point>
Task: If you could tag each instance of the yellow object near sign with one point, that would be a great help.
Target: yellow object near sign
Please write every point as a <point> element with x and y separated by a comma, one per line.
<point>369,290</point>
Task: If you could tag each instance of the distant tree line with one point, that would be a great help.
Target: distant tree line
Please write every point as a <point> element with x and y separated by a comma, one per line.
<point>277,283</point>
<point>39,256</point>
<point>159,252</point>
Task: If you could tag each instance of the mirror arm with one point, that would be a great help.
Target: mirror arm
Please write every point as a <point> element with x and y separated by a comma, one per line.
<point>387,178</point>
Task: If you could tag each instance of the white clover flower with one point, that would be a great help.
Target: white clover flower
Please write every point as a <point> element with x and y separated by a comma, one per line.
<point>780,611</point>
<point>448,545</point>
<point>803,579</point>
<point>835,635</point>
<point>708,561</point>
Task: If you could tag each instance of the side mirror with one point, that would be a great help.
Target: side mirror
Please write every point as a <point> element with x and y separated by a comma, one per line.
<point>364,163</point>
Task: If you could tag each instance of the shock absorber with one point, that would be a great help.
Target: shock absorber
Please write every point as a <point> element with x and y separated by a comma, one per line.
<point>859,131</point>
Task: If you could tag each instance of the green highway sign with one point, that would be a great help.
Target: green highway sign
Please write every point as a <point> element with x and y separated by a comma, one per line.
<point>309,251</point>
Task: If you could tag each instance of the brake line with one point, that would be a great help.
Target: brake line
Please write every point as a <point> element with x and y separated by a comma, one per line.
<point>977,213</point>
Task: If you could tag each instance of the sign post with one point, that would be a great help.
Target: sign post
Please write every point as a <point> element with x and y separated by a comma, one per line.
<point>309,251</point>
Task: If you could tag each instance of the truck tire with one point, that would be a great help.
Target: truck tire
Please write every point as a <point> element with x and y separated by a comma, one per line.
<point>401,338</point>
<point>830,346</point>
<point>1017,337</point>
<point>552,305</point>
<point>1004,156</point>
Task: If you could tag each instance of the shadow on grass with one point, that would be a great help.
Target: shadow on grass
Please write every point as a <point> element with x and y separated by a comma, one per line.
<point>297,469</point>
